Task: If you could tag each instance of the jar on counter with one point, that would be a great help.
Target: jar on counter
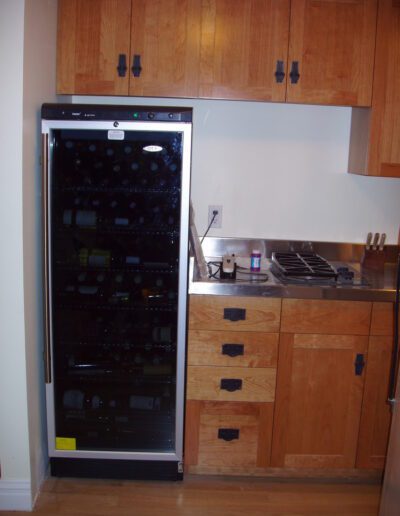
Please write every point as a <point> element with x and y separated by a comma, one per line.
<point>255,260</point>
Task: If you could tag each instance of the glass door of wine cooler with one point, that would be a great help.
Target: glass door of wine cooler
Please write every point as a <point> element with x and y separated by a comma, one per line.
<point>118,209</point>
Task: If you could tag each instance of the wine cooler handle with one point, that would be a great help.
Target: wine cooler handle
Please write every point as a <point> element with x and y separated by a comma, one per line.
<point>394,366</point>
<point>46,305</point>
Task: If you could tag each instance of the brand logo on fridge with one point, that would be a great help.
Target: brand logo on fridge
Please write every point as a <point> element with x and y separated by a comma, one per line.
<point>152,148</point>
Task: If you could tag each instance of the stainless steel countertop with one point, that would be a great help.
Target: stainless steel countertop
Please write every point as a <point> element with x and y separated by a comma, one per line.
<point>381,285</point>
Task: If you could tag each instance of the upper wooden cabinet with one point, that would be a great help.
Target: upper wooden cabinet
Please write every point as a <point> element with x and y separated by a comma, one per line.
<point>242,43</point>
<point>333,43</point>
<point>91,36</point>
<point>158,42</point>
<point>166,36</point>
<point>375,133</point>
<point>219,49</point>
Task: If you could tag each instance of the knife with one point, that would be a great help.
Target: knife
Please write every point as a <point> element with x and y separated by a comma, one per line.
<point>375,242</point>
<point>382,241</point>
<point>369,238</point>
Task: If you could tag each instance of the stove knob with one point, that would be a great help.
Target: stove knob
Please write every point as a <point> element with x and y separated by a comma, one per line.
<point>345,274</point>
<point>151,115</point>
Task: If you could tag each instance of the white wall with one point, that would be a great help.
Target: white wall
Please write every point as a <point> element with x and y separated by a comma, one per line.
<point>39,87</point>
<point>14,442</point>
<point>280,171</point>
<point>27,59</point>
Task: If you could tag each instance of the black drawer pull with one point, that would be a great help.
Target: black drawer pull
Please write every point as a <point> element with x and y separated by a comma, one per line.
<point>359,364</point>
<point>233,350</point>
<point>279,73</point>
<point>235,314</point>
<point>231,384</point>
<point>294,73</point>
<point>136,67</point>
<point>122,68</point>
<point>228,434</point>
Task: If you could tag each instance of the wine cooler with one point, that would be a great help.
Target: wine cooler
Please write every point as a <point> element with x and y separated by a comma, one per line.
<point>116,183</point>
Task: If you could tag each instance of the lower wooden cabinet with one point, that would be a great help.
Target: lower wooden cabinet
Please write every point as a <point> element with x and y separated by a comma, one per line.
<point>376,414</point>
<point>297,387</point>
<point>231,380</point>
<point>227,437</point>
<point>318,400</point>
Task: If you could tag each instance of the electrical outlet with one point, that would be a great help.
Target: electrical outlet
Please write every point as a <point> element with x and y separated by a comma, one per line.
<point>218,219</point>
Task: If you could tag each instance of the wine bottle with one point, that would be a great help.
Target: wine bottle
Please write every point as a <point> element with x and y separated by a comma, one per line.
<point>82,218</point>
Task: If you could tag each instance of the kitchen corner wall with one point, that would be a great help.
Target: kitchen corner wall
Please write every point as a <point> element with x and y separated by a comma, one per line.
<point>40,33</point>
<point>27,60</point>
<point>280,171</point>
<point>14,448</point>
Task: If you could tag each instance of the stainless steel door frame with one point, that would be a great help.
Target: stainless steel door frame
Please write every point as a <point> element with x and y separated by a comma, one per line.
<point>186,130</point>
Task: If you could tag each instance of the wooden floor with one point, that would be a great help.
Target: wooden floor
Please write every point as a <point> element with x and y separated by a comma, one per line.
<point>204,496</point>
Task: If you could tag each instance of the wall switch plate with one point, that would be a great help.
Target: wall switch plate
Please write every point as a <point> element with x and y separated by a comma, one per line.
<point>218,219</point>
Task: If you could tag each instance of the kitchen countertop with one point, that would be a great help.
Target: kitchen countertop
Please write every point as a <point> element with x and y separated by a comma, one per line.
<point>381,284</point>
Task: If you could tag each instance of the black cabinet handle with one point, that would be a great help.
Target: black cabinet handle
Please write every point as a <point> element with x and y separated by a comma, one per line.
<point>231,384</point>
<point>279,73</point>
<point>136,67</point>
<point>235,314</point>
<point>122,68</point>
<point>294,73</point>
<point>228,434</point>
<point>233,350</point>
<point>359,364</point>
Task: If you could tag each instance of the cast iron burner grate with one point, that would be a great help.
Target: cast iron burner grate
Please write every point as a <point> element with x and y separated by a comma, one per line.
<point>306,265</point>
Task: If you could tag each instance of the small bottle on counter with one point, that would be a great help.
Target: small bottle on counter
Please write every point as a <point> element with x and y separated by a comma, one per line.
<point>255,260</point>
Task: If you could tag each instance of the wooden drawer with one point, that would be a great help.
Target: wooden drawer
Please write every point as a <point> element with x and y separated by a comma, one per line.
<point>229,348</point>
<point>382,319</point>
<point>231,383</point>
<point>234,313</point>
<point>324,316</point>
<point>223,434</point>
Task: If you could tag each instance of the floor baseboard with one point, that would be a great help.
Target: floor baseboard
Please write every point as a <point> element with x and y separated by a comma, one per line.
<point>15,495</point>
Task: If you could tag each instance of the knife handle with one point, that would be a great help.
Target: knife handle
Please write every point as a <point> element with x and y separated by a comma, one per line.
<point>382,241</point>
<point>375,242</point>
<point>369,240</point>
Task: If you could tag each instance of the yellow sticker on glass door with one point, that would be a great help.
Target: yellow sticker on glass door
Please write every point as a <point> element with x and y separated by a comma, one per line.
<point>65,443</point>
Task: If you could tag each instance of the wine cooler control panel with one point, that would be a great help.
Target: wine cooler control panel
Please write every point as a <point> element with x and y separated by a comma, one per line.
<point>120,113</point>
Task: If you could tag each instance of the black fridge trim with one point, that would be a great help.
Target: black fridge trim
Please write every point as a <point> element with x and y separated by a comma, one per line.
<point>99,112</point>
<point>115,469</point>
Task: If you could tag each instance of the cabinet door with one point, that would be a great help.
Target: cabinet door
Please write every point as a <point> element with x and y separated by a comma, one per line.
<point>241,44</point>
<point>166,39</point>
<point>318,401</point>
<point>92,34</point>
<point>333,43</point>
<point>375,134</point>
<point>375,416</point>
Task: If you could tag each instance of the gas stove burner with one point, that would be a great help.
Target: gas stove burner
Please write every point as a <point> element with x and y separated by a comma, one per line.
<point>302,266</point>
<point>311,269</point>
